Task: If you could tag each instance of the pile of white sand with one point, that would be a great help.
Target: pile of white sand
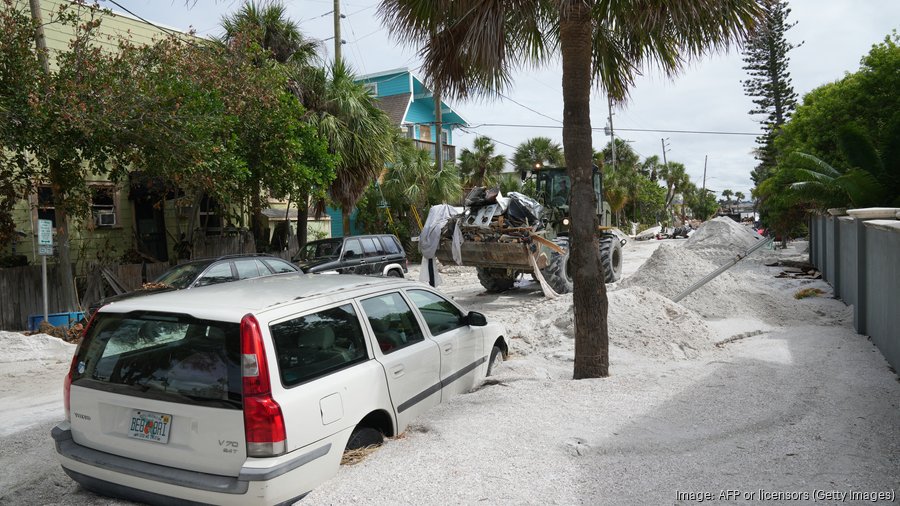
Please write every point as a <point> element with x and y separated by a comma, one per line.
<point>641,321</point>
<point>721,239</point>
<point>673,268</point>
<point>37,347</point>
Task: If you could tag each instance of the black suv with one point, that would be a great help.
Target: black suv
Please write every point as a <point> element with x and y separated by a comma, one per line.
<point>379,255</point>
<point>208,271</point>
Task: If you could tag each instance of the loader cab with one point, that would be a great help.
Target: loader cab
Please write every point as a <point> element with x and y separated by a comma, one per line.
<point>554,190</point>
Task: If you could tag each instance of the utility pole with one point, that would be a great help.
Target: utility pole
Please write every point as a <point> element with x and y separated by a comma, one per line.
<point>612,132</point>
<point>438,128</point>
<point>663,142</point>
<point>66,277</point>
<point>704,175</point>
<point>337,31</point>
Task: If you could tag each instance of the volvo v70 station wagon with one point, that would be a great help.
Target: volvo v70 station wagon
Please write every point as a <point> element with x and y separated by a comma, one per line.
<point>249,392</point>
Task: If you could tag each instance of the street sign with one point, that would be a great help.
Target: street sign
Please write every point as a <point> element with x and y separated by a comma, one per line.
<point>45,232</point>
<point>45,237</point>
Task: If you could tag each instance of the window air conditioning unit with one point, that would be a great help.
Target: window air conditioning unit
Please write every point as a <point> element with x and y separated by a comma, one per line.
<point>105,218</point>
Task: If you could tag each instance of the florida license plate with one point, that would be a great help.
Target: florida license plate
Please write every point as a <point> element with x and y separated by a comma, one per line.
<point>150,426</point>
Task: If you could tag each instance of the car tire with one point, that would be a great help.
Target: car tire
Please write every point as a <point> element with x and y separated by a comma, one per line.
<point>363,437</point>
<point>495,360</point>
<point>395,273</point>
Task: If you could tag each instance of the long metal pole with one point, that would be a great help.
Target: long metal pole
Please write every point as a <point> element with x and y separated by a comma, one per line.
<point>44,286</point>
<point>709,277</point>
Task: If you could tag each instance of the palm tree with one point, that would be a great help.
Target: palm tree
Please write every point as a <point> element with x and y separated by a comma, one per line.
<point>413,179</point>
<point>739,197</point>
<point>357,131</point>
<point>676,178</point>
<point>480,166</point>
<point>471,47</point>
<point>727,194</point>
<point>536,152</point>
<point>268,24</point>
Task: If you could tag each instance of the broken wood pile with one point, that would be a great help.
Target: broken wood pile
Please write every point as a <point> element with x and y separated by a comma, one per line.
<point>796,270</point>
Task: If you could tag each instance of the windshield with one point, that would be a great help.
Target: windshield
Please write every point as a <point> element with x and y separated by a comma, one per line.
<point>321,249</point>
<point>555,187</point>
<point>183,275</point>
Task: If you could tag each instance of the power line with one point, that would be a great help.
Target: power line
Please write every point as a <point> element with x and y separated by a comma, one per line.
<point>520,104</point>
<point>657,130</point>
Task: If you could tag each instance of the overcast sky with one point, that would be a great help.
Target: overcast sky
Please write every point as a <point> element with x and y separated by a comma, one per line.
<point>706,97</point>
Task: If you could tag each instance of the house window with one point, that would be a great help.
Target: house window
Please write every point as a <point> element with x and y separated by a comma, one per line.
<point>103,205</point>
<point>425,133</point>
<point>444,137</point>
<point>45,208</point>
<point>371,88</point>
<point>410,132</point>
<point>210,217</point>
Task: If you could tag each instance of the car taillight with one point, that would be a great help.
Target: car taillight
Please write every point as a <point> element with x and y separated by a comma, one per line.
<point>263,420</point>
<point>67,382</point>
<point>67,387</point>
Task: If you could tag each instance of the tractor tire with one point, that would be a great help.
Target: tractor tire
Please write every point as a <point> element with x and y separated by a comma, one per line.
<point>557,273</point>
<point>611,257</point>
<point>496,280</point>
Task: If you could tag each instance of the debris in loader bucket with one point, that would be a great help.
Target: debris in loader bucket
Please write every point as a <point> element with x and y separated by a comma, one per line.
<point>505,236</point>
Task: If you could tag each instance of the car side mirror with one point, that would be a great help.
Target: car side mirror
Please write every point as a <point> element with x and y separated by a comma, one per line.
<point>476,319</point>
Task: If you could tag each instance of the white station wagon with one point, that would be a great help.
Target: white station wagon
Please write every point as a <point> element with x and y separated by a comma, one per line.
<point>250,392</point>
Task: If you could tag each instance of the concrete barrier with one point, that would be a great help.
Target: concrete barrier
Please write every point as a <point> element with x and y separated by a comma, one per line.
<point>861,260</point>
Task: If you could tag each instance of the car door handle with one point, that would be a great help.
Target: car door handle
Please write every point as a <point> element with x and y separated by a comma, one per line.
<point>397,371</point>
<point>448,348</point>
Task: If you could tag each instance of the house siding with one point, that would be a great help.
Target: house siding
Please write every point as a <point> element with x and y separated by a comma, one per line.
<point>391,84</point>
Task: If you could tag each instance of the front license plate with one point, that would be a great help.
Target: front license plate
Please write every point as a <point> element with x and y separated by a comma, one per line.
<point>150,426</point>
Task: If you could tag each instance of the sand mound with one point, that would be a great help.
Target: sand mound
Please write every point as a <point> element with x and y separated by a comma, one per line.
<point>641,321</point>
<point>721,239</point>
<point>673,268</point>
<point>37,347</point>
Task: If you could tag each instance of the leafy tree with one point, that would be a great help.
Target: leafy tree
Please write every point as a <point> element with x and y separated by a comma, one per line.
<point>649,201</point>
<point>537,151</point>
<point>20,74</point>
<point>702,203</point>
<point>867,98</point>
<point>480,166</point>
<point>739,197</point>
<point>471,47</point>
<point>766,56</point>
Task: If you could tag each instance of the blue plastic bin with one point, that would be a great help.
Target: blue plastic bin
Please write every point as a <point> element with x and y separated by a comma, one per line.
<point>55,319</point>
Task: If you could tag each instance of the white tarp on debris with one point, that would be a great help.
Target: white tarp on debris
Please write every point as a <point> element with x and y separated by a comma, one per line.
<point>430,239</point>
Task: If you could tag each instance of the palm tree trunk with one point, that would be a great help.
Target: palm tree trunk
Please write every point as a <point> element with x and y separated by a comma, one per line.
<point>590,302</point>
<point>302,222</point>
<point>345,218</point>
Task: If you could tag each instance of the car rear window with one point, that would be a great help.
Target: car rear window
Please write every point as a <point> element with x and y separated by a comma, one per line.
<point>317,344</point>
<point>162,356</point>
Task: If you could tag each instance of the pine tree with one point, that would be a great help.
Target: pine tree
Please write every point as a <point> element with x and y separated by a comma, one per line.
<point>766,56</point>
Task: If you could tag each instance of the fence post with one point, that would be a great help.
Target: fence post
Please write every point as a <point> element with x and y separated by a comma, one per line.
<point>836,241</point>
<point>859,309</point>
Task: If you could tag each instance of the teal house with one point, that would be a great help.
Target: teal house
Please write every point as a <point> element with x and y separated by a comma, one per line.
<point>410,105</point>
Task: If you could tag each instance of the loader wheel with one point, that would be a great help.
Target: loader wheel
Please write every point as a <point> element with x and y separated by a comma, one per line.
<point>496,280</point>
<point>611,256</point>
<point>557,273</point>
